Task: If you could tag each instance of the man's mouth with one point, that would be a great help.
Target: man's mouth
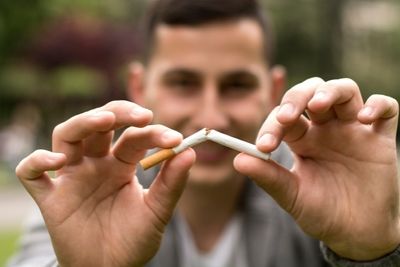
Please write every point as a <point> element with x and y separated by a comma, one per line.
<point>211,153</point>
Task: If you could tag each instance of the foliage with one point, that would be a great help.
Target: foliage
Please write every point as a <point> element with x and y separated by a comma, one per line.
<point>8,243</point>
<point>75,49</point>
<point>17,24</point>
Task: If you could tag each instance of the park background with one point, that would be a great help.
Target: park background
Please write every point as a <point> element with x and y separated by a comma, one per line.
<point>62,57</point>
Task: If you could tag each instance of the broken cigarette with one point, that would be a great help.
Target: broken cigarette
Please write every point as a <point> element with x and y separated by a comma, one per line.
<point>200,137</point>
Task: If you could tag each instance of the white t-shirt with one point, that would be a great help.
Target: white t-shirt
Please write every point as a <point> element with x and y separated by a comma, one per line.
<point>228,252</point>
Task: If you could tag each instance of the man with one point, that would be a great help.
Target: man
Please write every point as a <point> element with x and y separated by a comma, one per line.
<point>208,65</point>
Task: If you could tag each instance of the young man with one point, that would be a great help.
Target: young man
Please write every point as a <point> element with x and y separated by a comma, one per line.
<point>208,65</point>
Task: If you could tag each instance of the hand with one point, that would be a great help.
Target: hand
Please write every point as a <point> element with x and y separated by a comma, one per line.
<point>343,187</point>
<point>95,210</point>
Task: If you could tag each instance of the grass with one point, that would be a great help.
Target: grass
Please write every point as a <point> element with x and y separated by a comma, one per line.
<point>8,243</point>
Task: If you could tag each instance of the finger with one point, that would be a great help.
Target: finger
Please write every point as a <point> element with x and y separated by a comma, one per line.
<point>128,113</point>
<point>273,132</point>
<point>98,144</point>
<point>168,186</point>
<point>68,136</point>
<point>32,172</point>
<point>382,112</point>
<point>295,100</point>
<point>335,99</point>
<point>134,142</point>
<point>277,181</point>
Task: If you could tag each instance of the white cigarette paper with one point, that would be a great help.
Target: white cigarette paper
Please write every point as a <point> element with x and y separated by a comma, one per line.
<point>236,144</point>
<point>191,140</point>
<point>200,137</point>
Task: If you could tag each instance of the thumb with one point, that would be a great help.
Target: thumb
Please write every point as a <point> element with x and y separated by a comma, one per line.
<point>168,186</point>
<point>32,172</point>
<point>274,179</point>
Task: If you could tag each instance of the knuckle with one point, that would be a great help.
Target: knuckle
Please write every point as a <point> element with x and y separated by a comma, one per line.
<point>19,170</point>
<point>292,92</point>
<point>331,84</point>
<point>345,83</point>
<point>393,103</point>
<point>347,80</point>
<point>154,129</point>
<point>57,130</point>
<point>116,104</point>
<point>29,162</point>
<point>131,132</point>
<point>159,128</point>
<point>315,80</point>
<point>351,84</point>
<point>39,153</point>
<point>36,158</point>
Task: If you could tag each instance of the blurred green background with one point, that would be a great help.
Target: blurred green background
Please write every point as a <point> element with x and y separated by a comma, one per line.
<point>61,57</point>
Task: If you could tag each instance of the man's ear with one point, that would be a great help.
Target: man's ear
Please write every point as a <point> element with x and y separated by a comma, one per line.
<point>135,90</point>
<point>278,79</point>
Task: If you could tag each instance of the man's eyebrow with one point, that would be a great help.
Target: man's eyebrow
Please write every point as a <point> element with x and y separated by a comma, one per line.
<point>181,71</point>
<point>240,73</point>
<point>246,76</point>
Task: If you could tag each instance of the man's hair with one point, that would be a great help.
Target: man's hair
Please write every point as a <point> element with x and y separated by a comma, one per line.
<point>200,12</point>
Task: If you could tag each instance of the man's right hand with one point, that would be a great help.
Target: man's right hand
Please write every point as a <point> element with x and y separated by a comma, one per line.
<point>95,210</point>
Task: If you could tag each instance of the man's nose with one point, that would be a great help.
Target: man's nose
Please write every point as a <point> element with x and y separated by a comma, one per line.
<point>212,112</point>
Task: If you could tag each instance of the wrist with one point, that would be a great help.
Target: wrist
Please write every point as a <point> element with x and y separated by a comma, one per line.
<point>391,259</point>
<point>368,245</point>
<point>364,250</point>
<point>362,254</point>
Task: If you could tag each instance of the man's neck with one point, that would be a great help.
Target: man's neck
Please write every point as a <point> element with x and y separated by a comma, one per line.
<point>207,210</point>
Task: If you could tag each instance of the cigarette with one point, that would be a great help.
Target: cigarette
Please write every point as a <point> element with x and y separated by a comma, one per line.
<point>200,137</point>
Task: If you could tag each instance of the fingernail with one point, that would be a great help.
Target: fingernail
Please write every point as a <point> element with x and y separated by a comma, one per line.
<point>139,111</point>
<point>99,113</point>
<point>321,95</point>
<point>266,139</point>
<point>171,135</point>
<point>286,108</point>
<point>55,156</point>
<point>367,111</point>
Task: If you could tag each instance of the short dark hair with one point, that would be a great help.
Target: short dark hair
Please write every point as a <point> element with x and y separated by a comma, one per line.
<point>199,12</point>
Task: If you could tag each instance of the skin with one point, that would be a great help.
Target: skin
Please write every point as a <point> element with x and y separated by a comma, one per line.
<point>342,189</point>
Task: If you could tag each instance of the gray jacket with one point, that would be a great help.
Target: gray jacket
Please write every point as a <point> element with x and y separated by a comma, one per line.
<point>273,239</point>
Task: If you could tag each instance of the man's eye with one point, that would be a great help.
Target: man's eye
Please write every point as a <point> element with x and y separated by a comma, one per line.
<point>183,83</point>
<point>238,87</point>
<point>240,84</point>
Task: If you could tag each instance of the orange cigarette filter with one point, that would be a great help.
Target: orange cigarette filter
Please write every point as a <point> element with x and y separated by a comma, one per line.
<point>156,158</point>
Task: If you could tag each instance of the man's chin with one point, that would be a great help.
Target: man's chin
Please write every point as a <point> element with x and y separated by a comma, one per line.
<point>211,174</point>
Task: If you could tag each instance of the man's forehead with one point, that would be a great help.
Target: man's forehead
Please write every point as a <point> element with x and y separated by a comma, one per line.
<point>246,26</point>
<point>183,71</point>
<point>234,37</point>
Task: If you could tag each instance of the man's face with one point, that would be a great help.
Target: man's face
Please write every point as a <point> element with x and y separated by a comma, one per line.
<point>212,76</point>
